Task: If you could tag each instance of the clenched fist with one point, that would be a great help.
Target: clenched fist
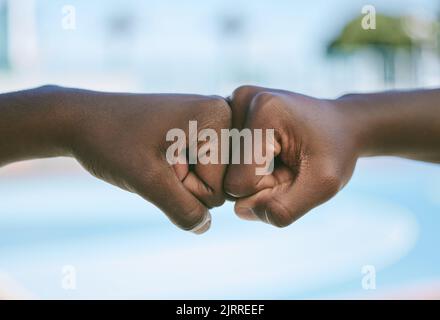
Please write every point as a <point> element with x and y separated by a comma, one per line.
<point>121,139</point>
<point>314,155</point>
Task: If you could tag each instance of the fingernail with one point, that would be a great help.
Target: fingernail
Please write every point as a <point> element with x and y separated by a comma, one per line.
<point>266,217</point>
<point>204,225</point>
<point>246,213</point>
<point>232,195</point>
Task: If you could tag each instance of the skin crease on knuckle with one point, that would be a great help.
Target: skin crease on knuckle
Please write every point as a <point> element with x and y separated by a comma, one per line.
<point>210,197</point>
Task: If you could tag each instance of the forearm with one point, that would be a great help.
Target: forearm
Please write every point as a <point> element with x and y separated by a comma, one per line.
<point>405,124</point>
<point>34,123</point>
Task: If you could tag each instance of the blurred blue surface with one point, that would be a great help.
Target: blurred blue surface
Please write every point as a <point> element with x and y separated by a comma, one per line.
<point>122,247</point>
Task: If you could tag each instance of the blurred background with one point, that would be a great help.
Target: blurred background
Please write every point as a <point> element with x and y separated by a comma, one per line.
<point>64,234</point>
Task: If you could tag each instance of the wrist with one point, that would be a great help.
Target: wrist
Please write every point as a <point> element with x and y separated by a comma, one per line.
<point>59,118</point>
<point>362,123</point>
<point>35,123</point>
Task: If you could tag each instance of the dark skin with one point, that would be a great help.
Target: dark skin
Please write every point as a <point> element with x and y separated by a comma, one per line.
<point>317,144</point>
<point>120,138</point>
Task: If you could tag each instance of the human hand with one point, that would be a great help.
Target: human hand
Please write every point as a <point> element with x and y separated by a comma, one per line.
<point>121,139</point>
<point>315,154</point>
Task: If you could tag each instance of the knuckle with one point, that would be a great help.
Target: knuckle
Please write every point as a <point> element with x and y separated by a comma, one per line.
<point>222,110</point>
<point>214,198</point>
<point>216,112</point>
<point>238,188</point>
<point>217,200</point>
<point>264,102</point>
<point>50,87</point>
<point>241,92</point>
<point>217,101</point>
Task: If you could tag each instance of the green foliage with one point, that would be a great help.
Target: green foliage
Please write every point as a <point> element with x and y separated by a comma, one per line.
<point>389,33</point>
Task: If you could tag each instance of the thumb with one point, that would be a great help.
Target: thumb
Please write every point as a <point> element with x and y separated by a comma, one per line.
<point>280,206</point>
<point>164,189</point>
